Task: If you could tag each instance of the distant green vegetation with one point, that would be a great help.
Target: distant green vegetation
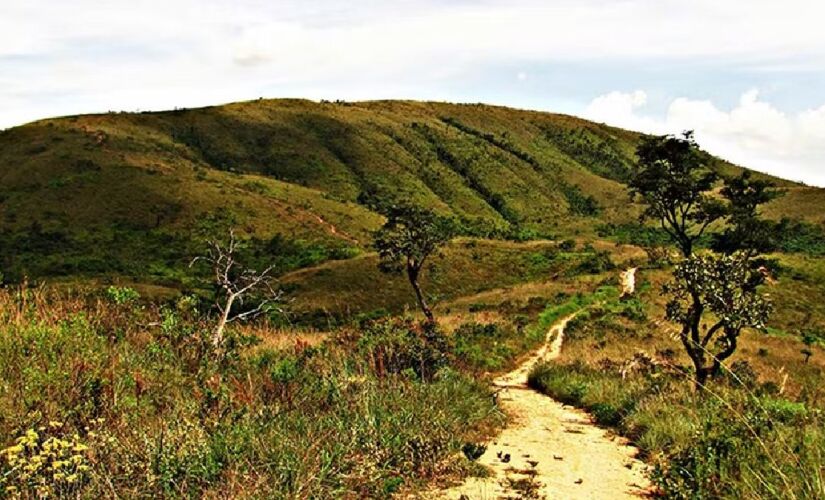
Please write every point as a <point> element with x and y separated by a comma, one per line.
<point>333,293</point>
<point>788,236</point>
<point>125,194</point>
<point>600,152</point>
<point>155,255</point>
<point>635,233</point>
<point>800,237</point>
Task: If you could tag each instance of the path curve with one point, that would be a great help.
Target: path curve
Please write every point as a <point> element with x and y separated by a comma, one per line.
<point>551,450</point>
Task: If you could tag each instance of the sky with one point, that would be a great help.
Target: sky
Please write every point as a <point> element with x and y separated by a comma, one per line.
<point>747,75</point>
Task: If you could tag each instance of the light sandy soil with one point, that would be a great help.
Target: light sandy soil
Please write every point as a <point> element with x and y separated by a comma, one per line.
<point>551,450</point>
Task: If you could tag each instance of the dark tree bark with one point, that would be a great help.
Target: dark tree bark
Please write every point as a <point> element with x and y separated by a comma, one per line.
<point>413,272</point>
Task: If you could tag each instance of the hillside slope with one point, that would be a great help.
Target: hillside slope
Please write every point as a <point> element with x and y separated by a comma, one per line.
<point>135,194</point>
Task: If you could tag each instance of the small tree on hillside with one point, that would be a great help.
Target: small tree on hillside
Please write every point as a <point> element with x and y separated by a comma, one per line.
<point>235,283</point>
<point>811,337</point>
<point>725,287</point>
<point>405,242</point>
<point>672,179</point>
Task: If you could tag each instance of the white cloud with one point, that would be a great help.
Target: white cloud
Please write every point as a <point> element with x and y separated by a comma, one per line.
<point>622,108</point>
<point>242,47</point>
<point>754,133</point>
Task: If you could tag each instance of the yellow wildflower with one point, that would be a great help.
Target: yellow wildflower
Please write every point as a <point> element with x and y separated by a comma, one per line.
<point>13,450</point>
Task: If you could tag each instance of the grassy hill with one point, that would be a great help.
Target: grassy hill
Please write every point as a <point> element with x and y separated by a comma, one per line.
<point>327,404</point>
<point>135,195</point>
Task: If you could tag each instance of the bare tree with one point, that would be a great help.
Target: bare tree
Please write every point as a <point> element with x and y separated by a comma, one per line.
<point>236,282</point>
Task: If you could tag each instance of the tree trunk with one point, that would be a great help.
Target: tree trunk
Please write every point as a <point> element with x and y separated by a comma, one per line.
<point>217,337</point>
<point>702,374</point>
<point>412,274</point>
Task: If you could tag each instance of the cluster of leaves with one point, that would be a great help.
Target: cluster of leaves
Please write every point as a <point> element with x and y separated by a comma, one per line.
<point>674,183</point>
<point>723,285</point>
<point>746,231</point>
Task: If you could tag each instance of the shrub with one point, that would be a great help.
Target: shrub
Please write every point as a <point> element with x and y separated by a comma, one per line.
<point>567,245</point>
<point>485,347</point>
<point>595,262</point>
<point>394,345</point>
<point>122,295</point>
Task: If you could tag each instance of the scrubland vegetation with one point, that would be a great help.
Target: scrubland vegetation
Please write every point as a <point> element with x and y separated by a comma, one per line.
<point>148,409</point>
<point>756,432</point>
<point>116,382</point>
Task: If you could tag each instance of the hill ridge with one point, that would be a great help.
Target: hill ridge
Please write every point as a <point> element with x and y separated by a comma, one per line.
<point>134,193</point>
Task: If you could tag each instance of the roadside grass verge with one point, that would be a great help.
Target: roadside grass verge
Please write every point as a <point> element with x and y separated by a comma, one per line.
<point>739,440</point>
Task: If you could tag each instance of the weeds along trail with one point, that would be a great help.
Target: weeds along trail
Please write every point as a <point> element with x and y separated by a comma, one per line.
<point>550,450</point>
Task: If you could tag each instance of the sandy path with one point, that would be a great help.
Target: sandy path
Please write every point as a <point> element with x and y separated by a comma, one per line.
<point>555,451</point>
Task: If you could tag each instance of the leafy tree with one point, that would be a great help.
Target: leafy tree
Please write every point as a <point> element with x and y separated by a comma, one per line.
<point>746,231</point>
<point>411,235</point>
<point>726,286</point>
<point>811,337</point>
<point>673,180</point>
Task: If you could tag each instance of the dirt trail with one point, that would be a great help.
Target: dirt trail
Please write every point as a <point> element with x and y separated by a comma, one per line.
<point>551,450</point>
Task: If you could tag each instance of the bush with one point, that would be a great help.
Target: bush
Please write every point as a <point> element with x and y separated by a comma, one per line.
<point>122,295</point>
<point>395,345</point>
<point>486,347</point>
<point>595,262</point>
<point>567,245</point>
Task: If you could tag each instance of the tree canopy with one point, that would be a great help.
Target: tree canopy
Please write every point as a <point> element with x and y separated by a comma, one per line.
<point>408,238</point>
<point>672,179</point>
